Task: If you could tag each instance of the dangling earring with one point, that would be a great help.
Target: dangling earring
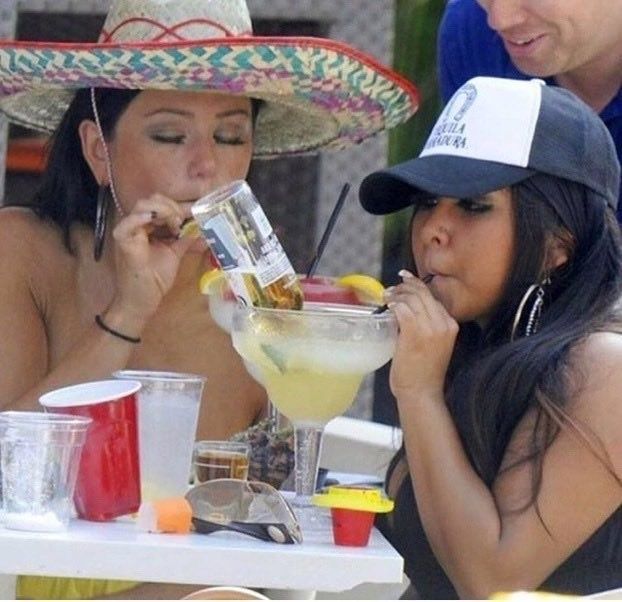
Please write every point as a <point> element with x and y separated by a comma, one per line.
<point>533,320</point>
<point>101,221</point>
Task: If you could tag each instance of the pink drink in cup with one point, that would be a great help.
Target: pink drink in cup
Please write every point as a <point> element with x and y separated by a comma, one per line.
<point>323,289</point>
<point>316,289</point>
<point>108,482</point>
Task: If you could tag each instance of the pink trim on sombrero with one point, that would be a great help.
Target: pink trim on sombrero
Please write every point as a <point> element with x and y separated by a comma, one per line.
<point>302,42</point>
<point>106,38</point>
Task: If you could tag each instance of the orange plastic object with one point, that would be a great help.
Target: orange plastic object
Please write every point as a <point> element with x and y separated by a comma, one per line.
<point>170,515</point>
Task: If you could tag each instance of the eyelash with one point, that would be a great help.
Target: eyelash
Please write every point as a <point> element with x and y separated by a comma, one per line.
<point>468,205</point>
<point>168,139</point>
<point>234,141</point>
<point>474,205</point>
<point>180,139</point>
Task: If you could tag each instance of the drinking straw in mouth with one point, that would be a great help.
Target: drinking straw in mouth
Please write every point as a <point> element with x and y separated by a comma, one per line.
<point>329,228</point>
<point>382,308</point>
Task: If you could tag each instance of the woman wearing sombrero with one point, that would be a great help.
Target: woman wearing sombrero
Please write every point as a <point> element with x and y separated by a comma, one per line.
<point>155,115</point>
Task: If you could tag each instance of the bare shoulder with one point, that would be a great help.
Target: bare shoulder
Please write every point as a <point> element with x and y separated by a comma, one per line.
<point>15,221</point>
<point>24,237</point>
<point>598,402</point>
<point>600,352</point>
<point>21,217</point>
<point>34,262</point>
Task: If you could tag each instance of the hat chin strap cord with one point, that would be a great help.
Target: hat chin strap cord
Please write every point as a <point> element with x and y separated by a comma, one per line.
<point>100,132</point>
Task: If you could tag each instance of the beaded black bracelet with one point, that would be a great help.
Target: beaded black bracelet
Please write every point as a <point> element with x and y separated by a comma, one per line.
<point>116,333</point>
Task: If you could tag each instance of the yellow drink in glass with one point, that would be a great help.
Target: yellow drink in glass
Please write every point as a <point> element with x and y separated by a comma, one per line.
<point>308,382</point>
<point>312,362</point>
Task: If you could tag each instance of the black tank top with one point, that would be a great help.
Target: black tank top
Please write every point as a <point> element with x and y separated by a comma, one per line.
<point>595,566</point>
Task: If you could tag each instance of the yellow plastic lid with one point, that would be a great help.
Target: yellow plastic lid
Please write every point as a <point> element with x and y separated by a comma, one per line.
<point>354,498</point>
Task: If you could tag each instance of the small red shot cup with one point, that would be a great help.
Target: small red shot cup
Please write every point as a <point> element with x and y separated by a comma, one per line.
<point>353,510</point>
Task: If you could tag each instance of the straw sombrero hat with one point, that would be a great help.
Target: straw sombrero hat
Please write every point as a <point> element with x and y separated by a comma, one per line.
<point>319,93</point>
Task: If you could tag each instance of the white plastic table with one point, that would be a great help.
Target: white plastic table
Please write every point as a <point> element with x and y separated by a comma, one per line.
<point>116,550</point>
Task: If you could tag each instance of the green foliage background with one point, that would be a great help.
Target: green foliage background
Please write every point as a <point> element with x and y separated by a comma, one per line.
<point>416,26</point>
<point>414,52</point>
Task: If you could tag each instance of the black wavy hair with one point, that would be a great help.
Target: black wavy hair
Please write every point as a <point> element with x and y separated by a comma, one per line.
<point>511,377</point>
<point>68,191</point>
<point>492,380</point>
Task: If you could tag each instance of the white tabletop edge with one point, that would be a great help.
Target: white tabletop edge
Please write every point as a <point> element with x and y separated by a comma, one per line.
<point>117,550</point>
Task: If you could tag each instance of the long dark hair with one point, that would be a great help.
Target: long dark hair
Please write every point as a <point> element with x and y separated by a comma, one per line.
<point>493,381</point>
<point>68,190</point>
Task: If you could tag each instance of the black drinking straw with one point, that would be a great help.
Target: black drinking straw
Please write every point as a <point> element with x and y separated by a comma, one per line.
<point>382,308</point>
<point>329,228</point>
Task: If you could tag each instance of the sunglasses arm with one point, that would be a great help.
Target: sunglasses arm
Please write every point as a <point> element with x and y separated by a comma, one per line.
<point>274,532</point>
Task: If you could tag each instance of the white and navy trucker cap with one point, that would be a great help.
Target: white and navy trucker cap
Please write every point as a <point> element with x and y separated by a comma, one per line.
<point>497,132</point>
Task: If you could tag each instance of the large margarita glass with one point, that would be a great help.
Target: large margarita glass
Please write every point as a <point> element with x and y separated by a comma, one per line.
<point>312,362</point>
<point>222,303</point>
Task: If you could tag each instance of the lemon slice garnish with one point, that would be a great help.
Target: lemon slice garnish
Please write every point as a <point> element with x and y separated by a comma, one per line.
<point>207,279</point>
<point>366,288</point>
<point>190,228</point>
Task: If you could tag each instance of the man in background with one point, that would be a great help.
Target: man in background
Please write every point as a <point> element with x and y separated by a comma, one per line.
<point>576,44</point>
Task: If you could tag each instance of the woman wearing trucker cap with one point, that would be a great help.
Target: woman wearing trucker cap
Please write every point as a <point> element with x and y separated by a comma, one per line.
<point>507,368</point>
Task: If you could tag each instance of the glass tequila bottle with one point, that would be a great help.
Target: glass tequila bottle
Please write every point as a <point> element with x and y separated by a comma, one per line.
<point>246,248</point>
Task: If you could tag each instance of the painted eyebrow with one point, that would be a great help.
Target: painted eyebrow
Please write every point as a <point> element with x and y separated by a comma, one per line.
<point>183,113</point>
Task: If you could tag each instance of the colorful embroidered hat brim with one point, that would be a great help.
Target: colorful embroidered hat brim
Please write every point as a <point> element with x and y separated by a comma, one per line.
<point>319,93</point>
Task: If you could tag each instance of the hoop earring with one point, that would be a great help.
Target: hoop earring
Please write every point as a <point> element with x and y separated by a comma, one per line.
<point>533,321</point>
<point>101,221</point>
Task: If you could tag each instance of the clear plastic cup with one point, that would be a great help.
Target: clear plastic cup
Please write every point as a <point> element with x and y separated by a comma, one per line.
<point>108,483</point>
<point>168,412</point>
<point>40,456</point>
<point>2,427</point>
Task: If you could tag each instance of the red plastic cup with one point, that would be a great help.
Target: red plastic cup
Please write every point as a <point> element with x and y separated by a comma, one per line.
<point>351,527</point>
<point>108,483</point>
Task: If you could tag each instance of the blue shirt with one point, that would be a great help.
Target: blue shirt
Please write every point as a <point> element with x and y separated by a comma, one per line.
<point>468,47</point>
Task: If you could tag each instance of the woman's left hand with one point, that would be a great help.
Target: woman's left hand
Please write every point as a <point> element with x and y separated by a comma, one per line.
<point>148,252</point>
<point>425,342</point>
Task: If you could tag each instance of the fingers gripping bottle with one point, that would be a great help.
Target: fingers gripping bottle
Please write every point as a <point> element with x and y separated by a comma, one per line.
<point>246,247</point>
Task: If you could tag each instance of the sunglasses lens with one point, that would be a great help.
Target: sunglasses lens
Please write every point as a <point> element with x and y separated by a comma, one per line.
<point>250,507</point>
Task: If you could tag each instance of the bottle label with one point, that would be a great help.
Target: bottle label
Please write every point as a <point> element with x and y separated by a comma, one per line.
<point>261,222</point>
<point>247,248</point>
<point>225,246</point>
<point>229,253</point>
<point>272,262</point>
